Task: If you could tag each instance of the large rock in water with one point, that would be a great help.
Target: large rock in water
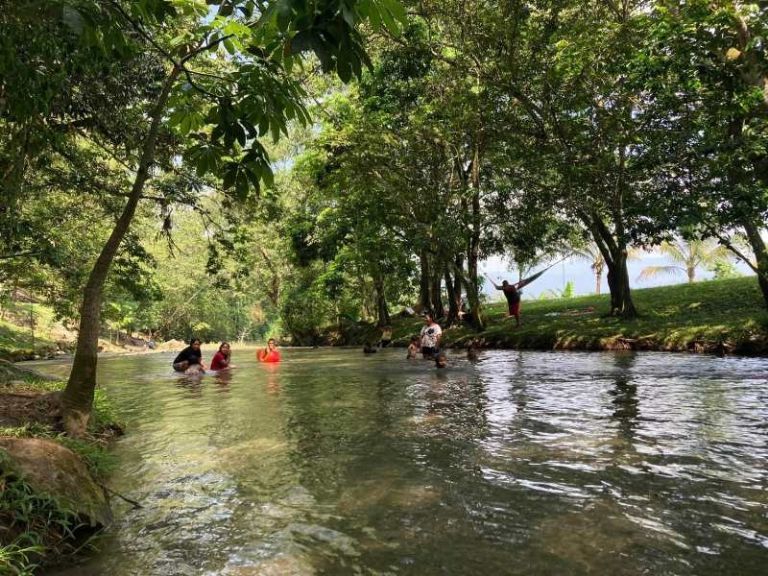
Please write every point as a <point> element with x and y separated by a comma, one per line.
<point>53,470</point>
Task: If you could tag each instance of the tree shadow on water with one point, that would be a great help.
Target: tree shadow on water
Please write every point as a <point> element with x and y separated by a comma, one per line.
<point>625,404</point>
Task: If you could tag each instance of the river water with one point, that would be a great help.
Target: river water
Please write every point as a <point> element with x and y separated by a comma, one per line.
<point>529,463</point>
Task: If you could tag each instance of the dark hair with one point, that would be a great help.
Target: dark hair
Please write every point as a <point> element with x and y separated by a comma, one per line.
<point>193,340</point>
<point>222,345</point>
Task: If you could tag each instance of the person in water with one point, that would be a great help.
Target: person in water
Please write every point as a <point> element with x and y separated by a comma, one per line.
<point>190,359</point>
<point>386,336</point>
<point>222,359</point>
<point>473,355</point>
<point>430,337</point>
<point>413,348</point>
<point>512,294</point>
<point>369,348</point>
<point>441,360</point>
<point>270,353</point>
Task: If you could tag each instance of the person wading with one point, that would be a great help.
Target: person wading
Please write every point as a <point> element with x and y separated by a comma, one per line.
<point>431,334</point>
<point>190,359</point>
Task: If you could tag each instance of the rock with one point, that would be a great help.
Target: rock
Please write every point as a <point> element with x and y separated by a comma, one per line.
<point>53,470</point>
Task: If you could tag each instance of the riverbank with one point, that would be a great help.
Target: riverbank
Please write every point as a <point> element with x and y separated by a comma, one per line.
<point>53,498</point>
<point>30,331</point>
<point>718,316</point>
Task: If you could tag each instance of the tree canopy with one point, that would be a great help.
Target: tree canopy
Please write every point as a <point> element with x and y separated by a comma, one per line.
<point>237,168</point>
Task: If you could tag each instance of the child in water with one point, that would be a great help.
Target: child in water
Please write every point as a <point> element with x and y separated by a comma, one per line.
<point>472,353</point>
<point>413,348</point>
<point>441,360</point>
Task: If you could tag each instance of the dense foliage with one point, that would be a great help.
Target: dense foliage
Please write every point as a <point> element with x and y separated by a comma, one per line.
<point>182,167</point>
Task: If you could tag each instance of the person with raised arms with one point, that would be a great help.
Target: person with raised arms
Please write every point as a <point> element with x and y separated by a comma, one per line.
<point>512,292</point>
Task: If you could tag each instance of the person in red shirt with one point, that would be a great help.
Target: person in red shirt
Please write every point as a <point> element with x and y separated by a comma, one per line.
<point>270,353</point>
<point>221,360</point>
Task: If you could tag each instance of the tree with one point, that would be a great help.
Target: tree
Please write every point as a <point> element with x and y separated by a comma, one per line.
<point>688,256</point>
<point>706,75</point>
<point>565,117</point>
<point>592,253</point>
<point>214,118</point>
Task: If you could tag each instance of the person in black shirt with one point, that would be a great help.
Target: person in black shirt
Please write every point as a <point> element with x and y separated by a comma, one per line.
<point>190,356</point>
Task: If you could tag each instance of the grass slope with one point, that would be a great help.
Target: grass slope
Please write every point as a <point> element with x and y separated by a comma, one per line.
<point>16,334</point>
<point>713,316</point>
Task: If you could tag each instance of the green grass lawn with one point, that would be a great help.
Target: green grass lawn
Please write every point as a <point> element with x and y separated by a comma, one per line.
<point>17,340</point>
<point>703,316</point>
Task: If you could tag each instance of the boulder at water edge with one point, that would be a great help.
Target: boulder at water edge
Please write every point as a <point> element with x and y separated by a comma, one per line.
<point>52,470</point>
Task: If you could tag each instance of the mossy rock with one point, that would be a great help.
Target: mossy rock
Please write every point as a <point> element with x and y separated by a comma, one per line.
<point>56,472</point>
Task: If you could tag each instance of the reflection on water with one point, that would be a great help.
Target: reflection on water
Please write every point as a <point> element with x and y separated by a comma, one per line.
<point>524,463</point>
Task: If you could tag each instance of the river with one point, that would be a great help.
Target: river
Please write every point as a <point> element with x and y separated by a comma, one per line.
<point>529,463</point>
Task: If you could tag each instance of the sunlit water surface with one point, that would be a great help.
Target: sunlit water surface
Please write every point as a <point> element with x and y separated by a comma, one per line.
<point>525,463</point>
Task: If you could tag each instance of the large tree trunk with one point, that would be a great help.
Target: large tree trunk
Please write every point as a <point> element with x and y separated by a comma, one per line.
<point>454,299</point>
<point>382,311</point>
<point>436,293</point>
<point>459,264</point>
<point>424,282</point>
<point>77,399</point>
<point>761,256</point>
<point>473,254</point>
<point>273,294</point>
<point>615,255</point>
<point>618,282</point>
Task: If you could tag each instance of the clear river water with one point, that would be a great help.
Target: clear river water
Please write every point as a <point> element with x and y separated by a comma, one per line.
<point>529,463</point>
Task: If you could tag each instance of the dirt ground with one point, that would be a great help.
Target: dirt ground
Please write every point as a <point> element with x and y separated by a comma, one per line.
<point>29,407</point>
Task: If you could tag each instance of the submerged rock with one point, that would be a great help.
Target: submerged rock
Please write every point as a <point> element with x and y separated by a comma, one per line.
<point>52,470</point>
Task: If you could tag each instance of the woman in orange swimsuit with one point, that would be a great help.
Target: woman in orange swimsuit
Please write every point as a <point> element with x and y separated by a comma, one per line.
<point>270,353</point>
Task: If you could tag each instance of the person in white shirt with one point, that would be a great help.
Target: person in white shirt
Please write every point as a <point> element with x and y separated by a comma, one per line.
<point>430,337</point>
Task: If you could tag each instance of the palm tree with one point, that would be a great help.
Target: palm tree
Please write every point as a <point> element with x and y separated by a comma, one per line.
<point>592,254</point>
<point>687,255</point>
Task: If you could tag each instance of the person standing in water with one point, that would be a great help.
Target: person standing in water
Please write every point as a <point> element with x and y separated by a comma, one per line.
<point>270,353</point>
<point>430,337</point>
<point>386,336</point>
<point>221,360</point>
<point>190,359</point>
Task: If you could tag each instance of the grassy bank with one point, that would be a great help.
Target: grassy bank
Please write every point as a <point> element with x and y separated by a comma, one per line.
<point>27,330</point>
<point>37,528</point>
<point>722,316</point>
